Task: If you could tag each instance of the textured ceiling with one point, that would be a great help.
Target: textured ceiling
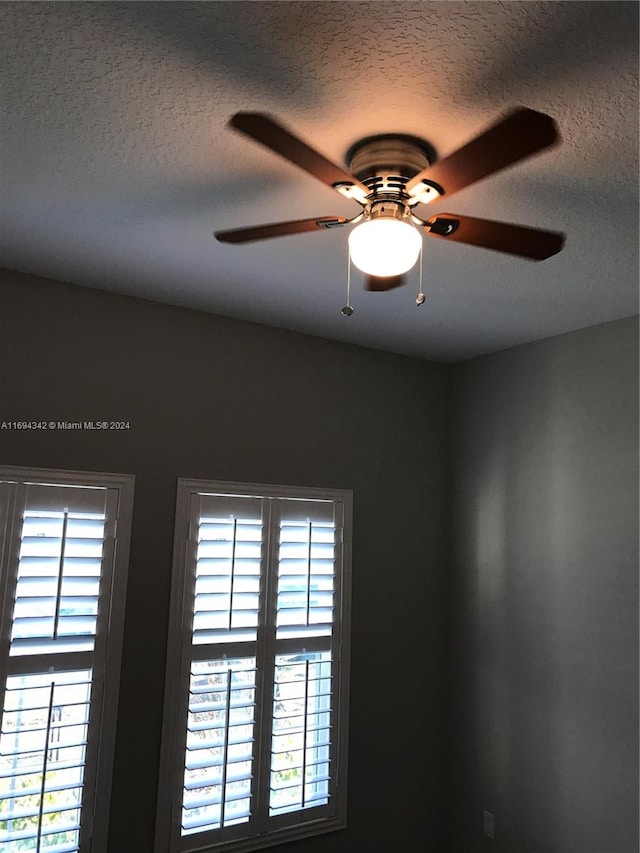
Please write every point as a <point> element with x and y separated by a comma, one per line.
<point>118,166</point>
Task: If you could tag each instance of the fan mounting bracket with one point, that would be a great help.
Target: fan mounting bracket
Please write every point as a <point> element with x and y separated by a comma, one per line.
<point>391,152</point>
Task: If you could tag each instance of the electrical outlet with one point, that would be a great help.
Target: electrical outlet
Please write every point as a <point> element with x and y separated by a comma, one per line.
<point>487,820</point>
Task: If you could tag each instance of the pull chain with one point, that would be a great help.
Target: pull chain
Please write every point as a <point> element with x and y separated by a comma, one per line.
<point>420,297</point>
<point>348,310</point>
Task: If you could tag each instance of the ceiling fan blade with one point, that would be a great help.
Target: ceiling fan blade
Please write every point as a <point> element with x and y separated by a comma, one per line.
<point>279,229</point>
<point>521,133</point>
<point>530,243</point>
<point>378,283</point>
<point>268,132</point>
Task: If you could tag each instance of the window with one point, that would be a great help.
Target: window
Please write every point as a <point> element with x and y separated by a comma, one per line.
<point>255,726</point>
<point>62,582</point>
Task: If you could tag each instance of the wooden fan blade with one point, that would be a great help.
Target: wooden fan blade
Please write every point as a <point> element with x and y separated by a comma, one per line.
<point>378,283</point>
<point>279,229</point>
<point>268,132</point>
<point>521,133</point>
<point>530,243</point>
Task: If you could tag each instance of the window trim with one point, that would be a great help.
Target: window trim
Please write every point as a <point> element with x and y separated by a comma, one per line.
<point>169,809</point>
<point>100,755</point>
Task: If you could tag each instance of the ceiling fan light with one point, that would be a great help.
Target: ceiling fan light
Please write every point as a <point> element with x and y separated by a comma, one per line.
<point>384,246</point>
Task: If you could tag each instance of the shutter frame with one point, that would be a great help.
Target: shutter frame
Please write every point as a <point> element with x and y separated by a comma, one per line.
<point>103,692</point>
<point>274,829</point>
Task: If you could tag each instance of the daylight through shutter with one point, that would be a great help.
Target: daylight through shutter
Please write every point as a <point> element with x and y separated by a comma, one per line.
<point>58,612</point>
<point>219,755</point>
<point>261,678</point>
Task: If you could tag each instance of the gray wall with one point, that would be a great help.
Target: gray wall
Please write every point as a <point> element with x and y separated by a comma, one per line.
<point>209,397</point>
<point>541,611</point>
<point>544,607</point>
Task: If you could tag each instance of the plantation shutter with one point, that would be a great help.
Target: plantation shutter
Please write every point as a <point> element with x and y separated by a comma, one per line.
<point>63,539</point>
<point>261,698</point>
<point>301,758</point>
<point>227,561</point>
<point>58,585</point>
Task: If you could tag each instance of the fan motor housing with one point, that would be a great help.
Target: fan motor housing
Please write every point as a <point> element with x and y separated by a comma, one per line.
<point>387,162</point>
<point>403,155</point>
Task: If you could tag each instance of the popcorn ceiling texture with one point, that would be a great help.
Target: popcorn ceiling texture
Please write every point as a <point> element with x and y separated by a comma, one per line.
<point>118,164</point>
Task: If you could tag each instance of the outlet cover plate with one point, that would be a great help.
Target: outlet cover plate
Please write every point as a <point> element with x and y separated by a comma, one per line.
<point>487,821</point>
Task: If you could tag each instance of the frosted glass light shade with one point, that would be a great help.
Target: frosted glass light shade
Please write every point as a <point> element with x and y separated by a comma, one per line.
<point>384,246</point>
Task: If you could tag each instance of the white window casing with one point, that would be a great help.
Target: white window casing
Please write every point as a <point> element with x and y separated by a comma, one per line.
<point>64,543</point>
<point>254,749</point>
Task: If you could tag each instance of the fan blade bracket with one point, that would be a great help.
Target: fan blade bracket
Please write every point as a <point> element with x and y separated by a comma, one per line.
<point>442,226</point>
<point>331,222</point>
<point>425,192</point>
<point>351,191</point>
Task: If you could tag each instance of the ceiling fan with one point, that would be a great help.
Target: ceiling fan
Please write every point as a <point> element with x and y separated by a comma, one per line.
<point>390,175</point>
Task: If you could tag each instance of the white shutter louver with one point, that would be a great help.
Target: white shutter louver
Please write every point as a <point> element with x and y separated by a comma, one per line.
<point>59,610</point>
<point>42,749</point>
<point>300,747</point>
<point>301,737</point>
<point>305,578</point>
<point>218,769</point>
<point>56,601</point>
<point>220,735</point>
<point>228,571</point>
